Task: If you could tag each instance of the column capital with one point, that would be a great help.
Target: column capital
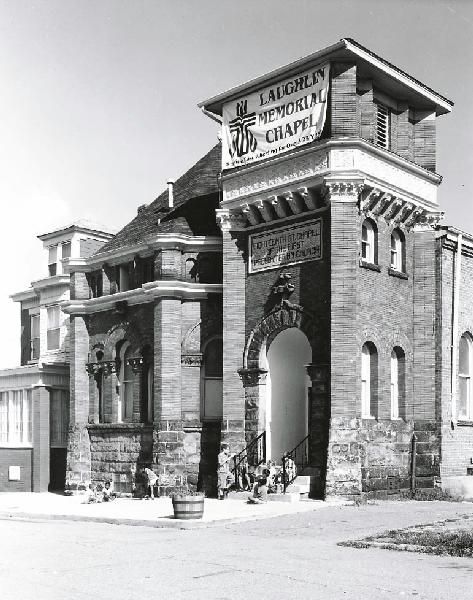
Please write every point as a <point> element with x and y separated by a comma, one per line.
<point>228,220</point>
<point>252,377</point>
<point>191,360</point>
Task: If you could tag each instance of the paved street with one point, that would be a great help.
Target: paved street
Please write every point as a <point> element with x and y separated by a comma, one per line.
<point>294,556</point>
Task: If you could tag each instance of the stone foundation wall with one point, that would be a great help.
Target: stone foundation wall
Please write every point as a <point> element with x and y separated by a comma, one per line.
<point>78,459</point>
<point>119,452</point>
<point>374,457</point>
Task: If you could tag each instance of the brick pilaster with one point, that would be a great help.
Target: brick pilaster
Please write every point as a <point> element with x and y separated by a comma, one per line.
<point>423,401</point>
<point>234,318</point>
<point>344,264</point>
<point>40,439</point>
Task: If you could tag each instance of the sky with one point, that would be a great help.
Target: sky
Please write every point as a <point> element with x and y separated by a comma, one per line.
<point>98,101</point>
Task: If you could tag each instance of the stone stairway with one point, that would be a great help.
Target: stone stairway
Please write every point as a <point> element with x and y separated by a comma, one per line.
<point>298,490</point>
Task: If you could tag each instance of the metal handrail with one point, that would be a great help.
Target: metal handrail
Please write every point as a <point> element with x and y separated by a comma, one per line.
<point>300,457</point>
<point>248,453</point>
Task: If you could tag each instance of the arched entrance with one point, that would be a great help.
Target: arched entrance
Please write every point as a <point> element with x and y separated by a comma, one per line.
<point>287,391</point>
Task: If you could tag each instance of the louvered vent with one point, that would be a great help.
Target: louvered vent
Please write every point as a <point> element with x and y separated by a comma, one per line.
<point>382,126</point>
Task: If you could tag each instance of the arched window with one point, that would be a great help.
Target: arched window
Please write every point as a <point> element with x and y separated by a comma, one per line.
<point>369,381</point>
<point>398,386</point>
<point>125,412</point>
<point>212,387</point>
<point>465,360</point>
<point>369,235</point>
<point>398,251</point>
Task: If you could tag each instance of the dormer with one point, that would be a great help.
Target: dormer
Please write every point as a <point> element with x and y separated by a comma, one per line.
<point>78,240</point>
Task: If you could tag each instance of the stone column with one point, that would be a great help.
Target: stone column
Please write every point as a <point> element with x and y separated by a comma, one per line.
<point>78,450</point>
<point>319,415</point>
<point>234,319</point>
<point>254,383</point>
<point>41,450</point>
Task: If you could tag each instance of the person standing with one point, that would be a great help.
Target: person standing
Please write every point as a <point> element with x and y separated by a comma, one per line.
<point>223,471</point>
<point>152,479</point>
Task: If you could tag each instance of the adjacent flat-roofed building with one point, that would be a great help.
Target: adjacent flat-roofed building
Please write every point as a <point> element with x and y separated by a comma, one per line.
<point>34,397</point>
<point>292,294</point>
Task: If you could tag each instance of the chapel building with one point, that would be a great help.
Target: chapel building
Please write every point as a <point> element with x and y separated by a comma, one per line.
<point>291,294</point>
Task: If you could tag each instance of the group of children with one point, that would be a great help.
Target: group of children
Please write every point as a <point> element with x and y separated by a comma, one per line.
<point>261,480</point>
<point>100,492</point>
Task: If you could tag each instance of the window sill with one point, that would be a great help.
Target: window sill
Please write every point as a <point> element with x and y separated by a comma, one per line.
<point>370,266</point>
<point>20,446</point>
<point>464,423</point>
<point>121,425</point>
<point>398,274</point>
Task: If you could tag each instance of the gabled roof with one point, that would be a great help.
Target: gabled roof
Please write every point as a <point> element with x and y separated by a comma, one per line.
<point>199,181</point>
<point>372,66</point>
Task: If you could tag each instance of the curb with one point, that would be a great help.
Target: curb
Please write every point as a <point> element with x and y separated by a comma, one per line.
<point>159,523</point>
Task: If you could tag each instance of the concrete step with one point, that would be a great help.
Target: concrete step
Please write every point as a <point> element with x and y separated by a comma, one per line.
<point>298,489</point>
<point>302,480</point>
<point>287,497</point>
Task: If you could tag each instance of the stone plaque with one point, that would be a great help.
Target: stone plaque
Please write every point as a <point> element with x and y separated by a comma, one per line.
<point>14,473</point>
<point>285,246</point>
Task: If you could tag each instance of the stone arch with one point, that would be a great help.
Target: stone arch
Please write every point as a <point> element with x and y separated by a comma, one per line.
<point>282,317</point>
<point>191,341</point>
<point>116,334</point>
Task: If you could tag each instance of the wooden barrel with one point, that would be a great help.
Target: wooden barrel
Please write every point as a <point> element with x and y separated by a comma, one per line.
<point>188,507</point>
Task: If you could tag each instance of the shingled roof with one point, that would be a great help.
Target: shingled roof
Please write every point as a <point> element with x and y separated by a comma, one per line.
<point>195,199</point>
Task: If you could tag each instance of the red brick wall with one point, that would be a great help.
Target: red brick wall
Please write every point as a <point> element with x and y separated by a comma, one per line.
<point>18,457</point>
<point>344,113</point>
<point>457,441</point>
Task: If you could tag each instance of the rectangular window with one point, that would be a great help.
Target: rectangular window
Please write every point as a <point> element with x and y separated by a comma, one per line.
<point>383,122</point>
<point>15,418</point>
<point>95,284</point>
<point>35,347</point>
<point>124,278</point>
<point>52,260</point>
<point>53,333</point>
<point>59,418</point>
<point>66,250</point>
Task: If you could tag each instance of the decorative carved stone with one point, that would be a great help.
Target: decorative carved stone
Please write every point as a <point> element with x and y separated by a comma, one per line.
<point>228,220</point>
<point>93,369</point>
<point>348,190</point>
<point>191,360</point>
<point>268,177</point>
<point>252,377</point>
<point>317,372</point>
<point>428,220</point>
<point>136,363</point>
<point>102,367</point>
<point>109,367</point>
<point>283,288</point>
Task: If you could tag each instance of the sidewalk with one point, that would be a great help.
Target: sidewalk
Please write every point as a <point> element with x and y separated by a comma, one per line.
<point>148,513</point>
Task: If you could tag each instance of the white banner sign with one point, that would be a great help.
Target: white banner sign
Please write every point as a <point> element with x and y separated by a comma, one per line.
<point>285,246</point>
<point>276,119</point>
